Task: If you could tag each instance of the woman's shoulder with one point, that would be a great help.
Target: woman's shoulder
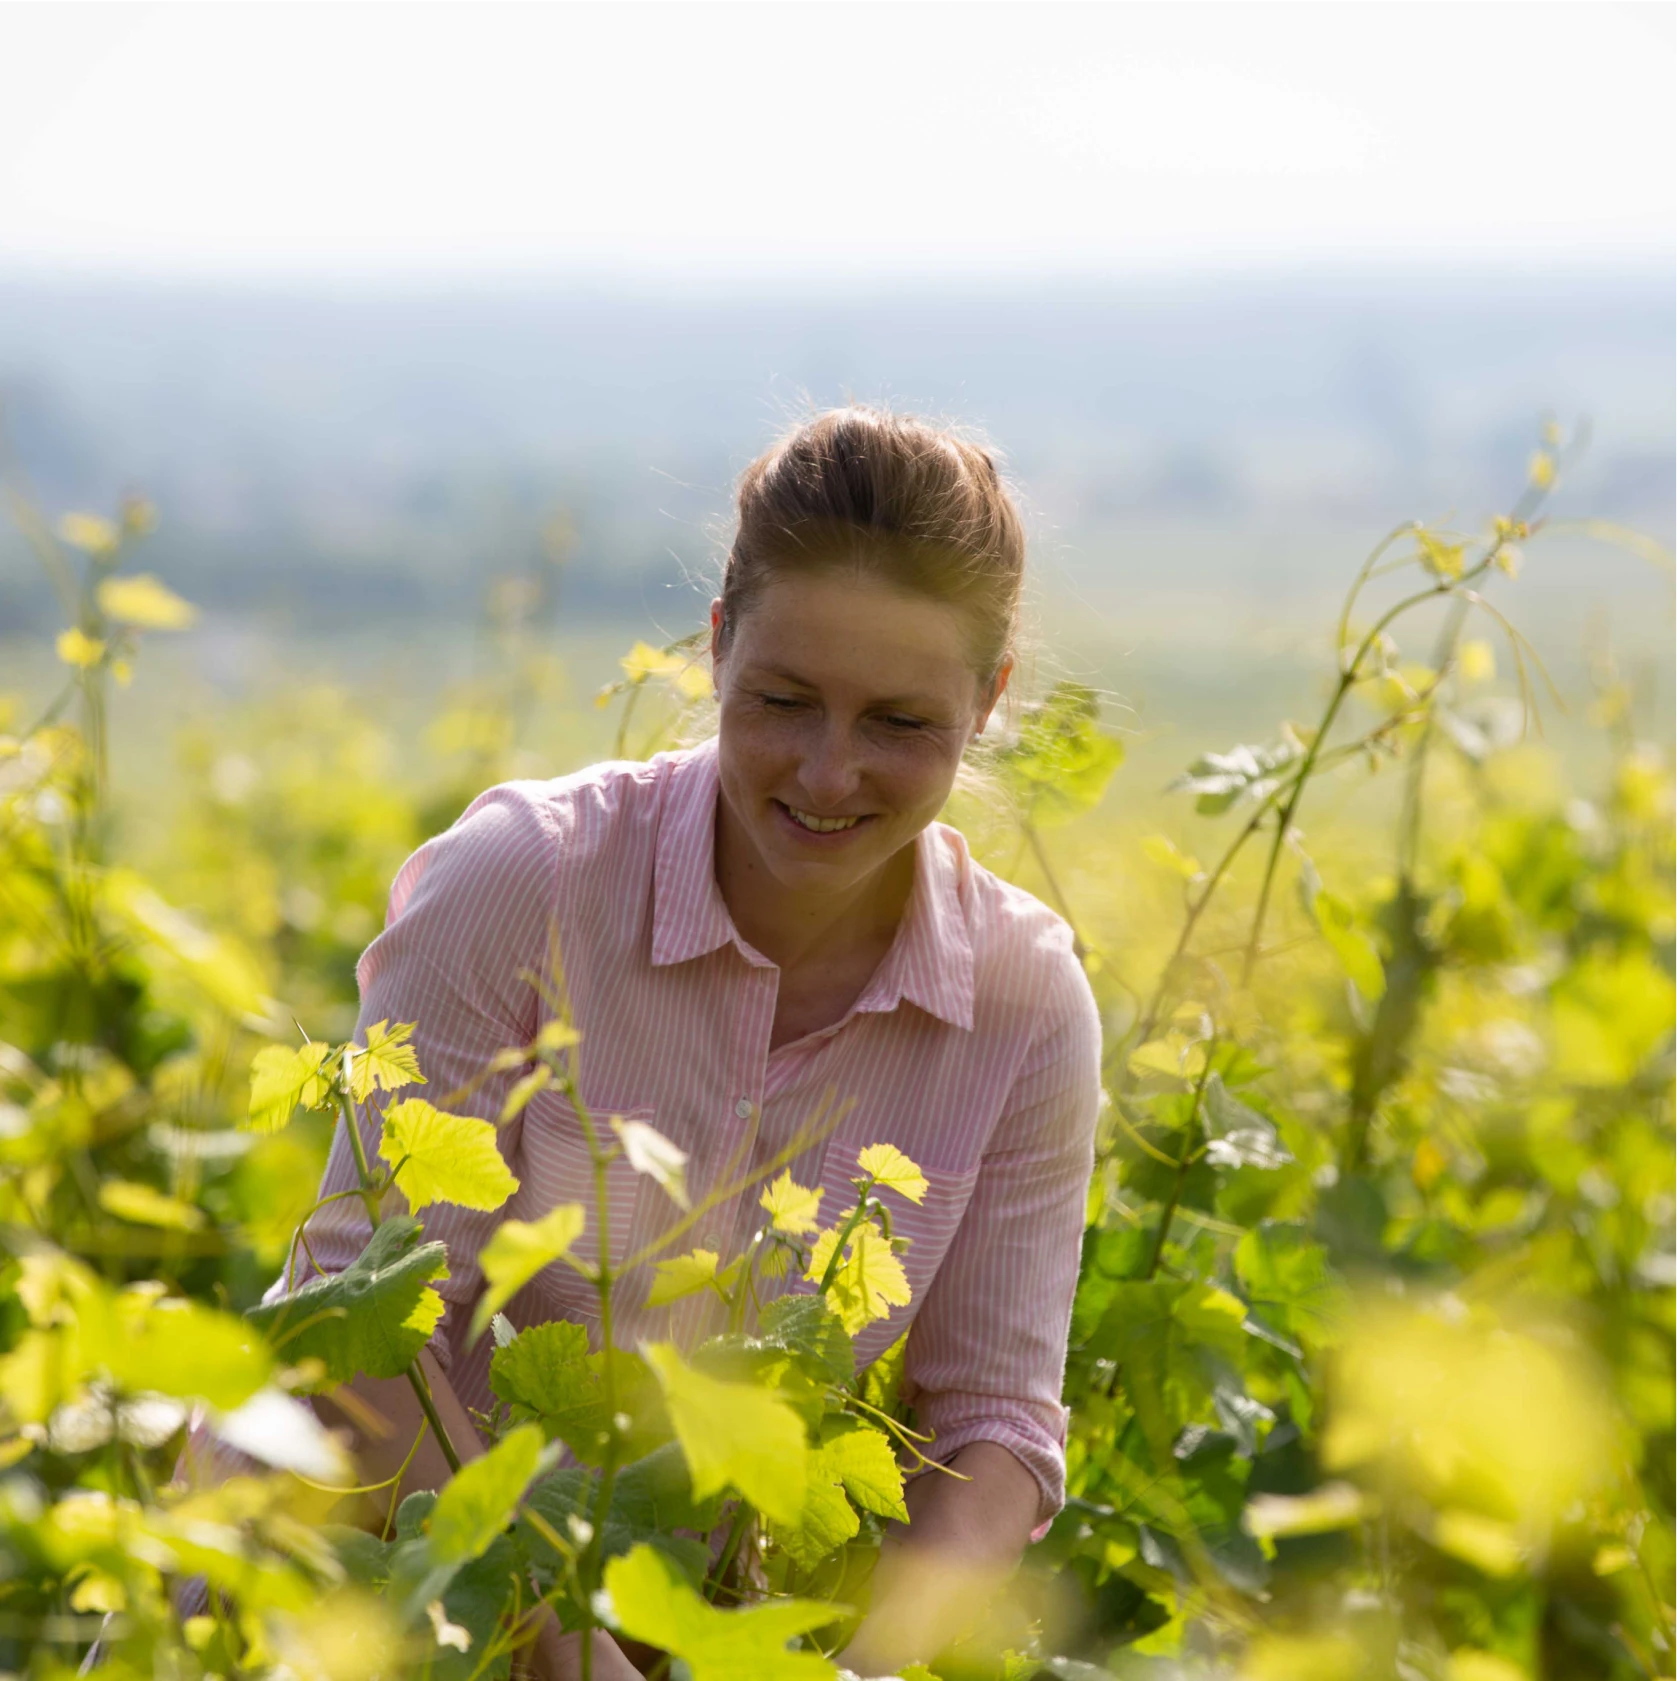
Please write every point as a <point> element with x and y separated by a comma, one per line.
<point>519,838</point>
<point>1024,952</point>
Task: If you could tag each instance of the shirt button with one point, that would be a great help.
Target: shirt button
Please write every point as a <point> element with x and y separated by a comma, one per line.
<point>743,1108</point>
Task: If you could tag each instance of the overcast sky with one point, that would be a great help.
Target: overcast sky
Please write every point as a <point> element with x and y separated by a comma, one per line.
<point>709,145</point>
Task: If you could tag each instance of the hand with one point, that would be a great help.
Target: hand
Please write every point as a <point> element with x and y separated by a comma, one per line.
<point>937,1577</point>
<point>556,1656</point>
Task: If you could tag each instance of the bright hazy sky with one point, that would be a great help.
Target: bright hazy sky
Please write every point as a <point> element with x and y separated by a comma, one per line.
<point>700,144</point>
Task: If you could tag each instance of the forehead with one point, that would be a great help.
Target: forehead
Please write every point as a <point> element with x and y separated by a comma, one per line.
<point>845,630</point>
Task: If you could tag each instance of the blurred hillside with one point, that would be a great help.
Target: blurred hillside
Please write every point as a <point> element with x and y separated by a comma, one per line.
<point>395,448</point>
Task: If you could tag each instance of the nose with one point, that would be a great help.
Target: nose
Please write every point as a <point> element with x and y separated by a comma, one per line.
<point>830,770</point>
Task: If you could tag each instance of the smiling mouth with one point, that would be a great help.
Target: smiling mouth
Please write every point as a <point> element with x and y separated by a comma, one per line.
<point>819,825</point>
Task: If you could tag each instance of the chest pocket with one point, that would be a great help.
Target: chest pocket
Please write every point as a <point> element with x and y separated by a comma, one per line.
<point>929,1225</point>
<point>559,1168</point>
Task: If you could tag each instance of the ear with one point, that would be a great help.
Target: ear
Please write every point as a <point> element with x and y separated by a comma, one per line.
<point>988,705</point>
<point>716,630</point>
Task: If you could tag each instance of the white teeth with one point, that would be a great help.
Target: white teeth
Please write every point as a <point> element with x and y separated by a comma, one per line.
<point>821,825</point>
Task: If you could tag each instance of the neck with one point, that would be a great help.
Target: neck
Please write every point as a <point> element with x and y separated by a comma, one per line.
<point>792,928</point>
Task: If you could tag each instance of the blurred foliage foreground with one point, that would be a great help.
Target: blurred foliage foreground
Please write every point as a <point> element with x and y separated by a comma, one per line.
<point>1371,1356</point>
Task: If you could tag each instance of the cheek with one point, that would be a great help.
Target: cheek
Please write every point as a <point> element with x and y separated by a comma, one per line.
<point>751,749</point>
<point>919,773</point>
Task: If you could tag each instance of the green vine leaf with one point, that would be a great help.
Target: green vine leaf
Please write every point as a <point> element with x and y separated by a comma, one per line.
<point>479,1500</point>
<point>372,1317</point>
<point>1061,761</point>
<point>444,1158</point>
<point>517,1251</point>
<point>385,1063</point>
<point>650,1600</point>
<point>283,1080</point>
<point>547,1374</point>
<point>734,1435</point>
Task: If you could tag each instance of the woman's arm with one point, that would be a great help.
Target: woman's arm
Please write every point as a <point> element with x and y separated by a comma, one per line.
<point>937,1575</point>
<point>384,1418</point>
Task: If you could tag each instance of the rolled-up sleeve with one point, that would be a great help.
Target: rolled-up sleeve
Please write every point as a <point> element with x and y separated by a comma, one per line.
<point>985,1359</point>
<point>468,925</point>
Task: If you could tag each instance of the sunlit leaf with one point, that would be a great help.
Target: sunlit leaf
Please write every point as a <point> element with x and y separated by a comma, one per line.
<point>516,1251</point>
<point>479,1500</point>
<point>1465,1412</point>
<point>385,1063</point>
<point>734,1435</point>
<point>537,1080</point>
<point>870,1280</point>
<point>444,1158</point>
<point>685,1275</point>
<point>826,1522</point>
<point>1304,1657</point>
<point>1487,1544</point>
<point>887,1166</point>
<point>792,1208</point>
<point>808,1326</point>
<point>174,1347</point>
<point>651,1601</point>
<point>1610,1013</point>
<point>283,1079</point>
<point>1176,1056</point>
<point>861,1458</point>
<point>1440,557</point>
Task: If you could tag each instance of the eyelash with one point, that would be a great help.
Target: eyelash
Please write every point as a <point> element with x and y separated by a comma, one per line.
<point>791,703</point>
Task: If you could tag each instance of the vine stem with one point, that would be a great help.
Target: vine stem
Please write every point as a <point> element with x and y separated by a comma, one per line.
<point>1184,1161</point>
<point>730,1550</point>
<point>1040,853</point>
<point>835,1260</point>
<point>1348,678</point>
<point>588,1566</point>
<point>369,1197</point>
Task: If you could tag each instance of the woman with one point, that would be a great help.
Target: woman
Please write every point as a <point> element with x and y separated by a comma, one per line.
<point>751,923</point>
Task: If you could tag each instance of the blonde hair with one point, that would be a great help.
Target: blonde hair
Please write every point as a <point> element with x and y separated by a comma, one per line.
<point>901,499</point>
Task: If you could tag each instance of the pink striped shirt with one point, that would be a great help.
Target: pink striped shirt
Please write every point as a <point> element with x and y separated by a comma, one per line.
<point>975,1048</point>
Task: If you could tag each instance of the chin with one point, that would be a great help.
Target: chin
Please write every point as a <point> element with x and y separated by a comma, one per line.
<point>820,861</point>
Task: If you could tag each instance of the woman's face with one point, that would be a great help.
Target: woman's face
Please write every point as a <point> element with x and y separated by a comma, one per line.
<point>845,707</point>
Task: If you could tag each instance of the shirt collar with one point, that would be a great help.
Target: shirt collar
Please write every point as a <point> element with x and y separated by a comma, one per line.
<point>689,918</point>
<point>930,962</point>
